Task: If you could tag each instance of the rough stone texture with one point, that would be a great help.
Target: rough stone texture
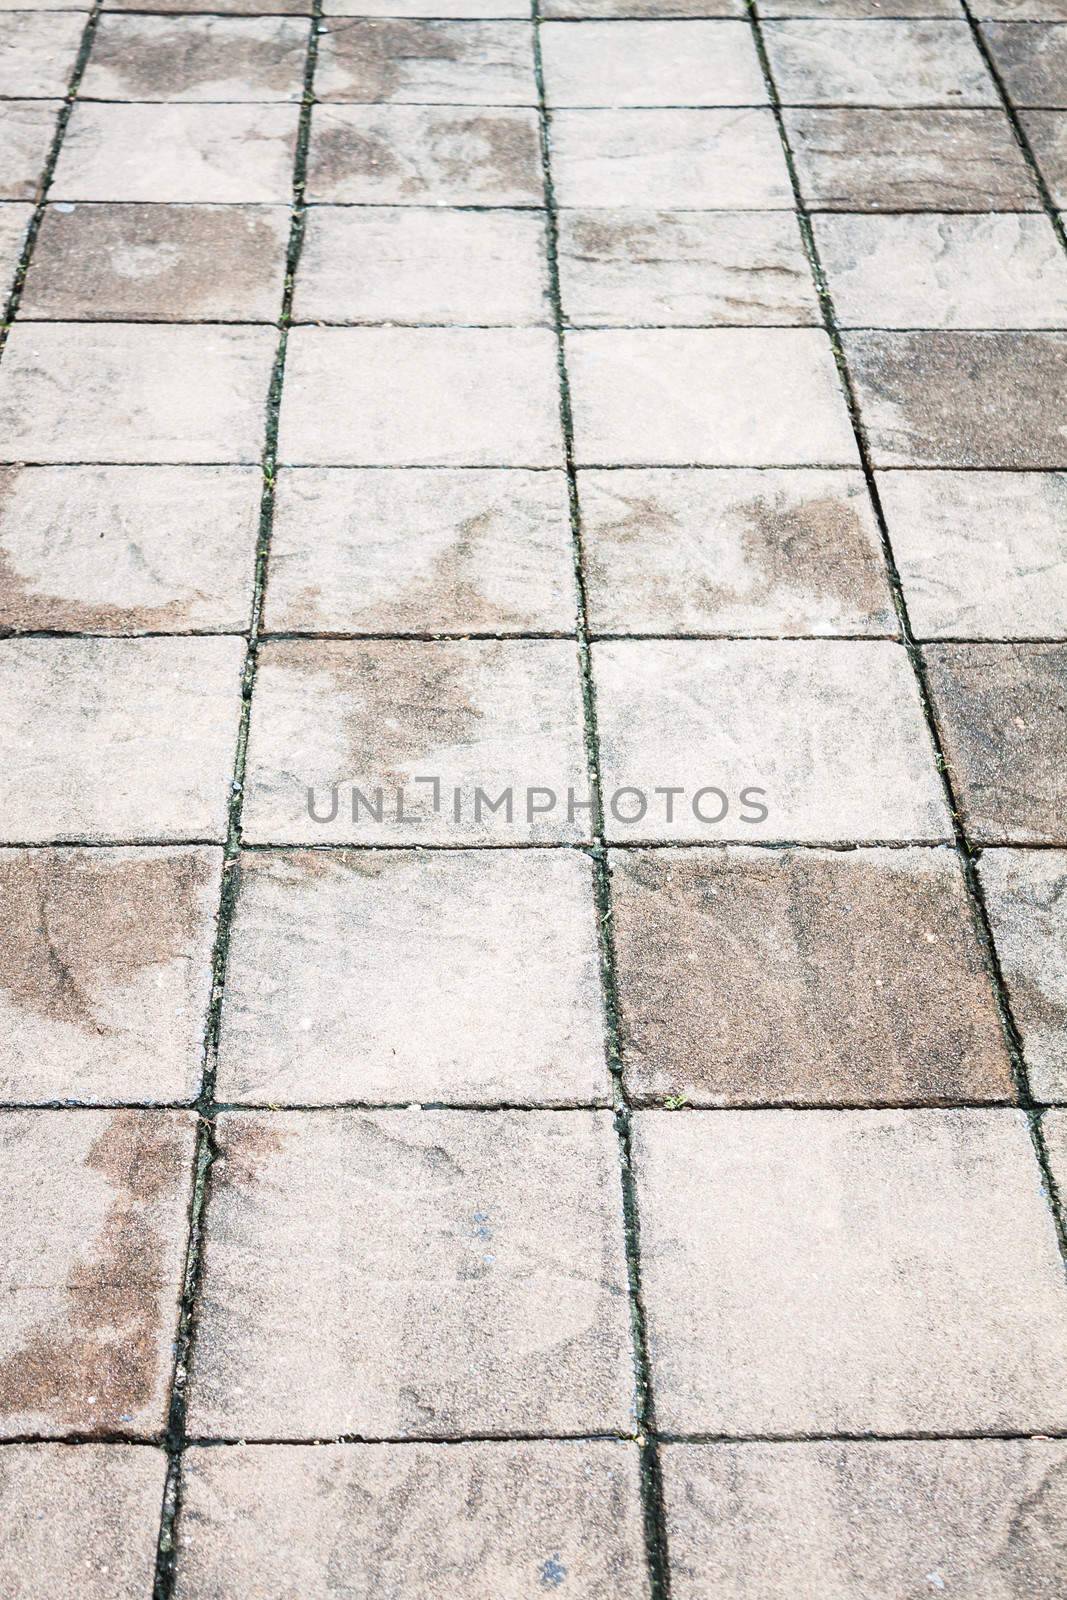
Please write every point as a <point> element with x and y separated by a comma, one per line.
<point>1047,132</point>
<point>432,8</point>
<point>444,550</point>
<point>674,63</point>
<point>579,10</point>
<point>126,739</point>
<point>902,1276</point>
<point>1002,710</point>
<point>885,160</point>
<point>115,393</point>
<point>878,64</point>
<point>1032,60</point>
<point>480,714</point>
<point>122,549</point>
<point>944,271</point>
<point>421,397</point>
<point>1022,10</point>
<point>392,976</point>
<point>217,7</point>
<point>92,1247</point>
<point>718,397</point>
<point>404,264</point>
<point>26,130</point>
<point>171,263</point>
<point>817,9</point>
<point>464,1273</point>
<point>38,52</point>
<point>219,153</point>
<point>717,159</point>
<point>626,267</point>
<point>977,1517</point>
<point>1054,1127</point>
<point>425,155</point>
<point>79,1521</point>
<point>197,58</point>
<point>829,733</point>
<point>962,399</point>
<point>690,550</point>
<point>444,63</point>
<point>494,1521</point>
<point>980,554</point>
<point>105,972</point>
<point>14,220</point>
<point>761,976</point>
<point>1026,895</point>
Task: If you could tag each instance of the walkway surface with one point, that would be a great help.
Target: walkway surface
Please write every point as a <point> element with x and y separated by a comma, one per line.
<point>533,794</point>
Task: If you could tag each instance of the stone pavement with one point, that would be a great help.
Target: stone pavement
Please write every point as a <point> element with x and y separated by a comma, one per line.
<point>533,839</point>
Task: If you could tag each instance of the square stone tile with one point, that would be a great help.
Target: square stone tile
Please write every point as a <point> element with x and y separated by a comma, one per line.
<point>38,51</point>
<point>1022,10</point>
<point>441,550</point>
<point>619,268</point>
<point>421,396</point>
<point>1032,59</point>
<point>45,5</point>
<point>1001,710</point>
<point>170,263</point>
<point>673,63</point>
<point>478,715</point>
<point>425,155</point>
<point>431,8</point>
<point>580,9</point>
<point>105,967</point>
<point>962,399</point>
<point>885,1517</point>
<point>853,977</point>
<point>124,739</point>
<point>494,1519</point>
<point>1047,133</point>
<point>930,271</point>
<point>980,554</point>
<point>465,1272</point>
<point>120,392</point>
<point>92,1250</point>
<point>384,977</point>
<point>707,160</point>
<point>850,1271</point>
<point>14,220</point>
<point>824,737</point>
<point>27,128</point>
<point>817,9</point>
<point>197,58</point>
<point>909,63</point>
<point>712,397</point>
<point>684,550</point>
<point>405,264</point>
<point>125,549</point>
<point>80,1521</point>
<point>427,62</point>
<point>220,153</point>
<point>1026,894</point>
<point>884,160</point>
<point>217,7</point>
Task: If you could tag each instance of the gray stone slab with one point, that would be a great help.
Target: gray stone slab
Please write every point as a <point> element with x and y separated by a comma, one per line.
<point>651,63</point>
<point>39,52</point>
<point>889,63</point>
<point>579,10</point>
<point>426,62</point>
<point>1032,59</point>
<point>14,220</point>
<point>27,128</point>
<point>819,9</point>
<point>197,58</point>
<point>425,155</point>
<point>431,8</point>
<point>1026,894</point>
<point>1047,133</point>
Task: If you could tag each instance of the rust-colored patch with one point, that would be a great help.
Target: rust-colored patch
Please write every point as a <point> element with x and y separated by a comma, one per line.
<point>498,150</point>
<point>375,55</point>
<point>247,1144</point>
<point>151,61</point>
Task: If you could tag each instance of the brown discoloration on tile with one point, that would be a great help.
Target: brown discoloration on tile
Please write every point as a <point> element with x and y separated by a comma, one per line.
<point>962,399</point>
<point>251,1144</point>
<point>1047,132</point>
<point>1002,710</point>
<point>1032,60</point>
<point>26,130</point>
<point>197,58</point>
<point>37,52</point>
<point>454,63</point>
<point>751,976</point>
<point>1026,895</point>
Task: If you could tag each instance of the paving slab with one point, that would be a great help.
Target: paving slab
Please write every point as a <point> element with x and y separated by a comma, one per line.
<point>79,1521</point>
<point>92,1250</point>
<point>388,977</point>
<point>38,53</point>
<point>426,62</point>
<point>216,7</point>
<point>436,550</point>
<point>903,1277</point>
<point>197,58</point>
<point>1026,896</point>
<point>105,972</point>
<point>1054,1129</point>
<point>404,264</point>
<point>484,716</point>
<point>455,9</point>
<point>882,1518</point>
<point>1022,10</point>
<point>892,63</point>
<point>621,268</point>
<point>117,739</point>
<point>1032,60</point>
<point>448,1298</point>
<point>1000,708</point>
<point>980,554</point>
<point>750,976</point>
<point>816,10</point>
<point>425,155</point>
<point>581,9</point>
<point>27,128</point>
<point>679,550</point>
<point>14,220</point>
<point>128,549</point>
<point>1047,133</point>
<point>495,1519</point>
<point>651,63</point>
<point>772,739</point>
